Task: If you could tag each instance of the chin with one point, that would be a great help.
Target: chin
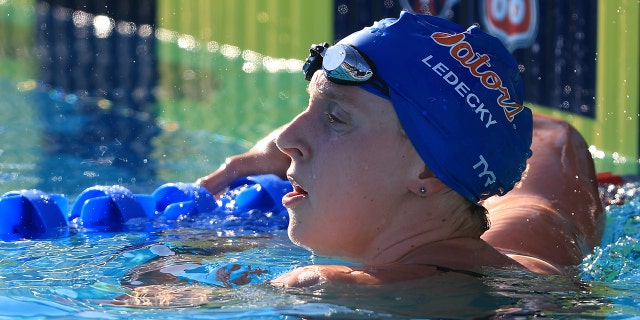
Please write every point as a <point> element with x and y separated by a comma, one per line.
<point>294,234</point>
<point>297,238</point>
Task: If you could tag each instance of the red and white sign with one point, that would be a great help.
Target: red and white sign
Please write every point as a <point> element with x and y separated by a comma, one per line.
<point>514,22</point>
<point>440,8</point>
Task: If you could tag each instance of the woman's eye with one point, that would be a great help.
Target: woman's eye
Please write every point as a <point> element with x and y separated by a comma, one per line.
<point>332,118</point>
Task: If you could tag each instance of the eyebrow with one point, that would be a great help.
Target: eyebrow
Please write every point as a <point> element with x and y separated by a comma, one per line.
<point>328,91</point>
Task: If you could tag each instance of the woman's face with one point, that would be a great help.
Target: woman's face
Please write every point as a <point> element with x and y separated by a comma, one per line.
<point>350,165</point>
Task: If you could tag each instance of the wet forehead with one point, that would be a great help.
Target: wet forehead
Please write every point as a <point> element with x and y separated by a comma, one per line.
<point>353,98</point>
<point>321,87</point>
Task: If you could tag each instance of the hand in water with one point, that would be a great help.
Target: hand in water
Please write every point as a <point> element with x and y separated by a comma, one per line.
<point>236,275</point>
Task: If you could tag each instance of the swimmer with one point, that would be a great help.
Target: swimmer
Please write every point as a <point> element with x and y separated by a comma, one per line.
<point>416,156</point>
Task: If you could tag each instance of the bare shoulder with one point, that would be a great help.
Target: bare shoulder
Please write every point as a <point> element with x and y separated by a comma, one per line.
<point>554,214</point>
<point>535,265</point>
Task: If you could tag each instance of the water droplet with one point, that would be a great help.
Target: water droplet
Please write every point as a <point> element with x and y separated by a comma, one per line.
<point>343,9</point>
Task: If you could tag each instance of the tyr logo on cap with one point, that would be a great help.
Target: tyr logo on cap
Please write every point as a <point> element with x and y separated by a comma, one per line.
<point>462,51</point>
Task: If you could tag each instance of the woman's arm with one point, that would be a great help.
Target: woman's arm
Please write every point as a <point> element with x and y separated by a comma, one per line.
<point>263,158</point>
<point>555,213</point>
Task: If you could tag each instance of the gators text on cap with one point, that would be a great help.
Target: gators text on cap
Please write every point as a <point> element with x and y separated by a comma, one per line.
<point>458,95</point>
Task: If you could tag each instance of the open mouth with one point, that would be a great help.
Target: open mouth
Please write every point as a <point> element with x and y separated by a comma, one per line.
<point>297,188</point>
<point>296,196</point>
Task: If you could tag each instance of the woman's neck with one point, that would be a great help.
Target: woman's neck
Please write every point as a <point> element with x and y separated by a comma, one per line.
<point>429,222</point>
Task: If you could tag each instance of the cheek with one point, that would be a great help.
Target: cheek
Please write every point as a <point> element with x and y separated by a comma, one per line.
<point>360,167</point>
<point>344,179</point>
<point>354,180</point>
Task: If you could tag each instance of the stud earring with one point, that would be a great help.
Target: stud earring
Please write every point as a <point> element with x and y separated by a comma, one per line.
<point>423,192</point>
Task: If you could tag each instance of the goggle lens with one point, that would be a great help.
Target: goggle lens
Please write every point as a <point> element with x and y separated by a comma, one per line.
<point>343,64</point>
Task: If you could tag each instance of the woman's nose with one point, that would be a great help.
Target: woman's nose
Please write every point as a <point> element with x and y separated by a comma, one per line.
<point>291,140</point>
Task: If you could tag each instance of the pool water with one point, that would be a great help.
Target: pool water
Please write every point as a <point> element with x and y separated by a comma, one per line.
<point>196,269</point>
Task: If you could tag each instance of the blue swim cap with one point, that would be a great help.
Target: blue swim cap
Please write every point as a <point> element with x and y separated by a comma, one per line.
<point>458,95</point>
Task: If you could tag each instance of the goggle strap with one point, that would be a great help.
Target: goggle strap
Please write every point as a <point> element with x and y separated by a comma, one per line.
<point>314,61</point>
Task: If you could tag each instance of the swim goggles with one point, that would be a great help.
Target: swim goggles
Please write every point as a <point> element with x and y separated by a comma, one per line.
<point>343,64</point>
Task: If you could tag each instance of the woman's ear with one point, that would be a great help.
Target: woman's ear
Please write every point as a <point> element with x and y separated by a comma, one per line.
<point>425,184</point>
